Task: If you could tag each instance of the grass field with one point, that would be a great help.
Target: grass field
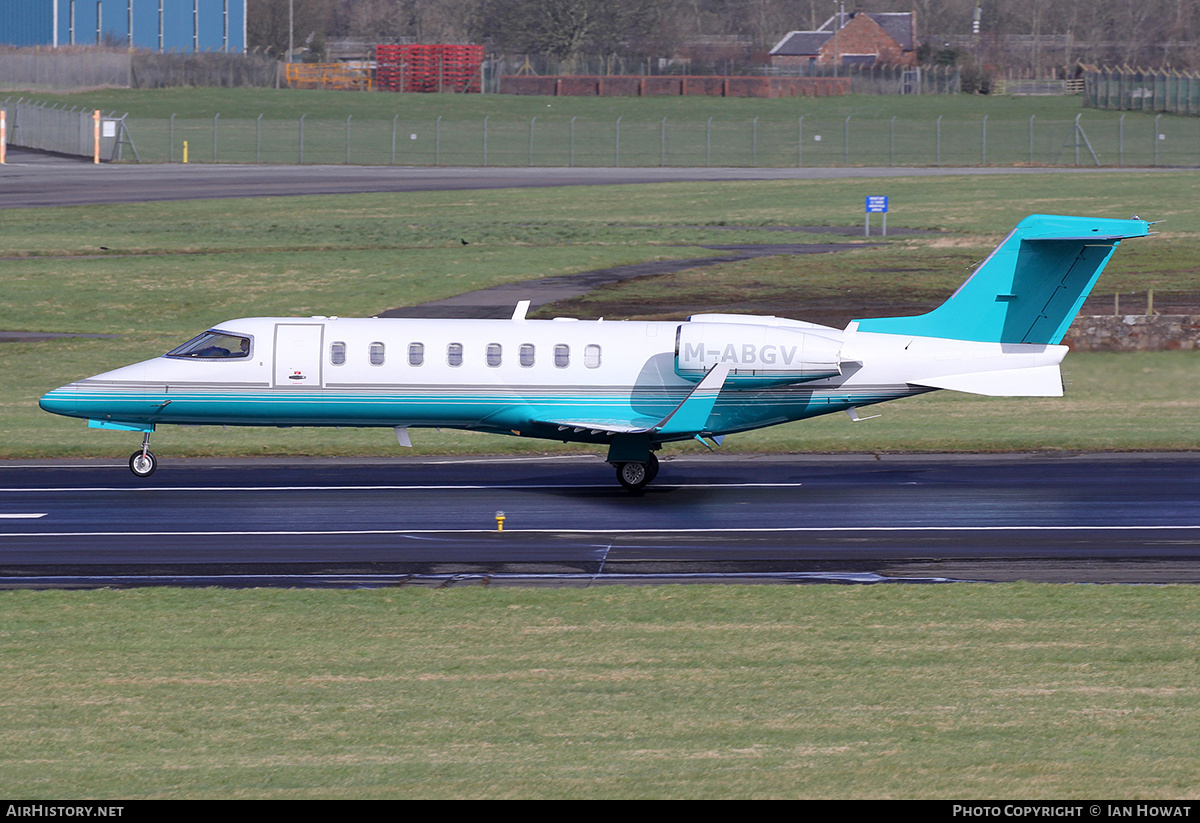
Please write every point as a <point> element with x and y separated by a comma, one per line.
<point>956,692</point>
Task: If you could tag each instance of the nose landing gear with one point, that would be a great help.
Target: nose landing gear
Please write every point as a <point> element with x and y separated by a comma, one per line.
<point>143,463</point>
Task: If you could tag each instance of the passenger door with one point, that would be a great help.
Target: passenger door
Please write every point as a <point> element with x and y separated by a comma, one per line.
<point>298,355</point>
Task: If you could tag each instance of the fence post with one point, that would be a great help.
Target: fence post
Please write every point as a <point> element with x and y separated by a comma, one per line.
<point>618,144</point>
<point>1156,119</point>
<point>485,122</point>
<point>892,142</point>
<point>1121,140</point>
<point>754,142</point>
<point>1077,138</point>
<point>938,142</point>
<point>800,143</point>
<point>258,140</point>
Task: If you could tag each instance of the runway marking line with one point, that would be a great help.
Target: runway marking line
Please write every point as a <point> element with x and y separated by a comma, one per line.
<point>778,529</point>
<point>464,487</point>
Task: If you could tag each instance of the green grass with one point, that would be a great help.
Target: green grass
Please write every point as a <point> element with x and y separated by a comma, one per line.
<point>975,210</point>
<point>962,691</point>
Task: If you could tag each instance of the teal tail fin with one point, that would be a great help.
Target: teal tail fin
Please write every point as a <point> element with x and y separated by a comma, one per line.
<point>1029,289</point>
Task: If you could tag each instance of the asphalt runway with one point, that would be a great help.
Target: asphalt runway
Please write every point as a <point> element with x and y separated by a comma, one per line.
<point>1129,518</point>
<point>30,179</point>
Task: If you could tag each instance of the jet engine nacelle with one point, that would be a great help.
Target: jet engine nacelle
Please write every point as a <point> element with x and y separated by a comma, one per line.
<point>758,355</point>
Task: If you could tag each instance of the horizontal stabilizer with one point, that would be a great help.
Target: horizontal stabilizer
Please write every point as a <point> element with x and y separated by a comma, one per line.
<point>1036,381</point>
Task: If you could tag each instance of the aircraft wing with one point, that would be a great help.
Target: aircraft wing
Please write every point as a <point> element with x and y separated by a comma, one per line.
<point>611,425</point>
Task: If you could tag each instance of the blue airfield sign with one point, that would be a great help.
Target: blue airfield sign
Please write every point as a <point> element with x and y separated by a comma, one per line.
<point>877,203</point>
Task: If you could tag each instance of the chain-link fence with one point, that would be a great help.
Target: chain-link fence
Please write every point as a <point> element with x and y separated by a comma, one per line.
<point>64,130</point>
<point>210,69</point>
<point>552,140</point>
<point>874,79</point>
<point>1148,90</point>
<point>882,79</point>
<point>63,69</point>
<point>67,68</point>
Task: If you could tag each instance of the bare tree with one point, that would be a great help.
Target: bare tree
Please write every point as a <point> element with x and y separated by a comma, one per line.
<point>267,24</point>
<point>392,21</point>
<point>565,28</point>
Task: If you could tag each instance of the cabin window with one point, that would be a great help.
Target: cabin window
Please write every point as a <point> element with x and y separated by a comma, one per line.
<point>416,354</point>
<point>591,356</point>
<point>376,354</point>
<point>525,355</point>
<point>493,355</point>
<point>454,354</point>
<point>337,353</point>
<point>562,355</point>
<point>213,345</point>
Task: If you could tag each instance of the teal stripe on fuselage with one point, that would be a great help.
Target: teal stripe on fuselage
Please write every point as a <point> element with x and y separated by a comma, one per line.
<point>499,410</point>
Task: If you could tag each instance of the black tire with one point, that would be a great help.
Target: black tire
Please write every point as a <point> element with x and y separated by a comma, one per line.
<point>143,466</point>
<point>652,467</point>
<point>633,476</point>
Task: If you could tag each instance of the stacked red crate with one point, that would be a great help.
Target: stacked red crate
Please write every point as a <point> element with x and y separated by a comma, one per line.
<point>421,67</point>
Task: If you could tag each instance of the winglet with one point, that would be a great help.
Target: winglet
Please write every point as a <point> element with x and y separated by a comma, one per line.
<point>691,415</point>
<point>688,418</point>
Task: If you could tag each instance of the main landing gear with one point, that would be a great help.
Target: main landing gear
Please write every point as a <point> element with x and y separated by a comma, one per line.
<point>634,476</point>
<point>143,463</point>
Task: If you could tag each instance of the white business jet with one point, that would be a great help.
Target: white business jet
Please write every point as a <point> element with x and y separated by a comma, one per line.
<point>629,385</point>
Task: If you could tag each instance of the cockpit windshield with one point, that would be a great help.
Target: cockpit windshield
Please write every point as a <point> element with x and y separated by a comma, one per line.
<point>213,344</point>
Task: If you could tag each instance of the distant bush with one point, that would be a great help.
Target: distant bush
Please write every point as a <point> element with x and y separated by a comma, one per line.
<point>975,80</point>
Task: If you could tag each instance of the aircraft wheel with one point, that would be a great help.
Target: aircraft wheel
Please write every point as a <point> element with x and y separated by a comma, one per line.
<point>143,464</point>
<point>633,476</point>
<point>652,468</point>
